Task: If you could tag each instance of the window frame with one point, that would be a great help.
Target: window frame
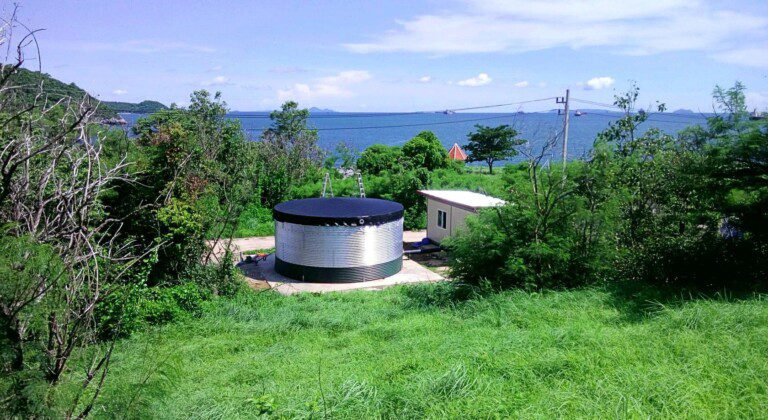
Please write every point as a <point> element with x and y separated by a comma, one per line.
<point>443,219</point>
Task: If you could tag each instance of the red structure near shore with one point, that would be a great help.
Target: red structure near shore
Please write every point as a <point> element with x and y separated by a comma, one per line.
<point>456,153</point>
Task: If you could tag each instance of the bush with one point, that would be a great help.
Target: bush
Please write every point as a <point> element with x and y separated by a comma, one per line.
<point>425,151</point>
<point>130,308</point>
<point>255,220</point>
<point>379,158</point>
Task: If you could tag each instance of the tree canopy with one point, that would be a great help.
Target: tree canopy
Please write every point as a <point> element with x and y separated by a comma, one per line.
<point>492,144</point>
<point>425,151</point>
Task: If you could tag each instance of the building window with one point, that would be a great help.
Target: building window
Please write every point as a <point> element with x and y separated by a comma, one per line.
<point>442,219</point>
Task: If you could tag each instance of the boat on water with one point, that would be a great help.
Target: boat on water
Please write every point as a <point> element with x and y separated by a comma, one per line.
<point>579,113</point>
<point>754,115</point>
<point>449,112</point>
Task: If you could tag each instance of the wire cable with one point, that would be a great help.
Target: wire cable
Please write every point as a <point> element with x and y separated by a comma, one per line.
<point>397,126</point>
<point>652,119</point>
<point>665,114</point>
<point>394,114</point>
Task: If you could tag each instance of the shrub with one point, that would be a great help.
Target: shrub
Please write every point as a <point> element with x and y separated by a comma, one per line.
<point>128,309</point>
<point>425,151</point>
<point>379,158</point>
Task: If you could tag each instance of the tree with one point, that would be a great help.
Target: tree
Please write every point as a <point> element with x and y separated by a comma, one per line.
<point>342,155</point>
<point>425,151</point>
<point>491,144</point>
<point>289,120</point>
<point>59,251</point>
<point>378,158</point>
<point>288,154</point>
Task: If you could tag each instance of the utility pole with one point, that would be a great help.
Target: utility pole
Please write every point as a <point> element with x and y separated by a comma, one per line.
<point>566,101</point>
<point>565,129</point>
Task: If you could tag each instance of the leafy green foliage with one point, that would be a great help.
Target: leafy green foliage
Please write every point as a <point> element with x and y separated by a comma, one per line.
<point>425,151</point>
<point>143,107</point>
<point>54,91</point>
<point>343,156</point>
<point>492,144</point>
<point>196,174</point>
<point>687,211</point>
<point>288,155</point>
<point>378,158</point>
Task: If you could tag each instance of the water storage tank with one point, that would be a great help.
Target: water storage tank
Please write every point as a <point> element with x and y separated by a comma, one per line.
<point>338,240</point>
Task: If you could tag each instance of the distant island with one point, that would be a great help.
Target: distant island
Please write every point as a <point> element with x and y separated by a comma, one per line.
<point>683,111</point>
<point>143,107</point>
<point>321,111</point>
<point>56,90</point>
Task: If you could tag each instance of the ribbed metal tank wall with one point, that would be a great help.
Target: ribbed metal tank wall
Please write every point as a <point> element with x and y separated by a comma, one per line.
<point>338,239</point>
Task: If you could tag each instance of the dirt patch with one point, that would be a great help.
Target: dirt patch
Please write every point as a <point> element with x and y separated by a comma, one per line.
<point>435,261</point>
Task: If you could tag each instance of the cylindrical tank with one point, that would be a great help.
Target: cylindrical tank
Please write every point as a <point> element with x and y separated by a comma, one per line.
<point>338,240</point>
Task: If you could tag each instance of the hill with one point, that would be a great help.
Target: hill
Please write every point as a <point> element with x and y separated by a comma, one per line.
<point>54,89</point>
<point>143,107</point>
<point>321,110</point>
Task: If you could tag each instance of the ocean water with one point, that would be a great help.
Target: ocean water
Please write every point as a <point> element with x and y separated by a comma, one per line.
<point>360,130</point>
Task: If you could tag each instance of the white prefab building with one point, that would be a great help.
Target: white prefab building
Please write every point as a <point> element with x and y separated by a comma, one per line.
<point>447,210</point>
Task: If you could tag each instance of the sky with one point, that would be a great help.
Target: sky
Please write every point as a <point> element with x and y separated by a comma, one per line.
<point>403,55</point>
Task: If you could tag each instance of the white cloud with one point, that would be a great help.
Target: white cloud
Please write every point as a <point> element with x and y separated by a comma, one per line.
<point>425,79</point>
<point>615,26</point>
<point>753,57</point>
<point>217,81</point>
<point>521,84</point>
<point>119,91</point>
<point>756,100</point>
<point>144,46</point>
<point>216,68</point>
<point>597,83</point>
<point>287,70</point>
<point>481,80</point>
<point>325,87</point>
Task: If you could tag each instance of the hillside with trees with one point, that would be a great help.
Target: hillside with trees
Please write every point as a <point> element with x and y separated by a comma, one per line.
<point>143,107</point>
<point>30,84</point>
<point>34,87</point>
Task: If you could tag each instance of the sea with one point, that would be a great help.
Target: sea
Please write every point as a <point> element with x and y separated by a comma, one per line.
<point>360,130</point>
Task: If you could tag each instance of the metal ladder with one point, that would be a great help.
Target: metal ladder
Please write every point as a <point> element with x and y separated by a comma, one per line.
<point>360,184</point>
<point>327,183</point>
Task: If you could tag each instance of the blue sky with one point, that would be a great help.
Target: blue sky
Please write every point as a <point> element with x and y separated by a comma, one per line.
<point>404,55</point>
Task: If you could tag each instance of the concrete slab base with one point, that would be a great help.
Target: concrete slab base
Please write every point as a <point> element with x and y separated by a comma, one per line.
<point>264,272</point>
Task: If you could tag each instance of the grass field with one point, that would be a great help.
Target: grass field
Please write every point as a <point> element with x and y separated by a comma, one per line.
<point>414,352</point>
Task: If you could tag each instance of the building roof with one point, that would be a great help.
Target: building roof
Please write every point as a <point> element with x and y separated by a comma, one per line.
<point>456,153</point>
<point>468,200</point>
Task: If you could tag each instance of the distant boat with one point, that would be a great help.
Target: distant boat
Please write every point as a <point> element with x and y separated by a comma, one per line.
<point>449,112</point>
<point>754,115</point>
<point>579,113</point>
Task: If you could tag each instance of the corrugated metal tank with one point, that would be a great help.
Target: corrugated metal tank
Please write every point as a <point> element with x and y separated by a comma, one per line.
<point>338,240</point>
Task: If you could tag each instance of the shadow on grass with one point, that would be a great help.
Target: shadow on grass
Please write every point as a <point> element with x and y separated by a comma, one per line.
<point>446,294</point>
<point>638,301</point>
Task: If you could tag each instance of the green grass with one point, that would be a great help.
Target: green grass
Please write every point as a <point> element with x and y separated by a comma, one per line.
<point>414,353</point>
<point>260,251</point>
<point>255,221</point>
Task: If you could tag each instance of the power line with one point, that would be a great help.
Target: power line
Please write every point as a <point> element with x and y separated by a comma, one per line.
<point>652,119</point>
<point>399,125</point>
<point>665,114</point>
<point>394,114</point>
